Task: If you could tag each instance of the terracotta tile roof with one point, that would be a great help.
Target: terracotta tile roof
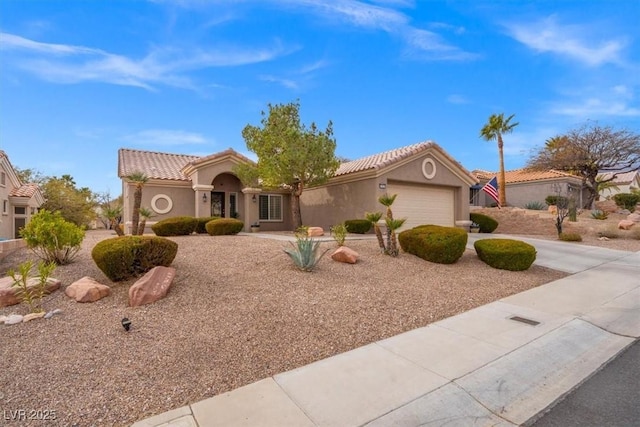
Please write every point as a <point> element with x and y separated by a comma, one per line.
<point>26,190</point>
<point>523,175</point>
<point>153,164</point>
<point>380,160</point>
<point>221,154</point>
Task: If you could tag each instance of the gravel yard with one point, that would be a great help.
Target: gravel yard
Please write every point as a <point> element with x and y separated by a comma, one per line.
<point>238,311</point>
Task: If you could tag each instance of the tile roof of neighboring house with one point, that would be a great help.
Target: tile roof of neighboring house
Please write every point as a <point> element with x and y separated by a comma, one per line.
<point>221,154</point>
<point>380,160</point>
<point>523,175</point>
<point>26,190</point>
<point>623,178</point>
<point>153,164</point>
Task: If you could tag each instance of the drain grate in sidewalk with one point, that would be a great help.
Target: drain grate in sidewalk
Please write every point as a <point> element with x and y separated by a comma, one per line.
<point>524,320</point>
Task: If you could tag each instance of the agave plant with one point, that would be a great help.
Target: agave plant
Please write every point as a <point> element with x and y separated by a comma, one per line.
<point>305,253</point>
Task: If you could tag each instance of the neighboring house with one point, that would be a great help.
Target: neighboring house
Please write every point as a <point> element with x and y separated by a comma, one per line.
<point>527,185</point>
<point>432,188</point>
<point>626,182</point>
<point>19,201</point>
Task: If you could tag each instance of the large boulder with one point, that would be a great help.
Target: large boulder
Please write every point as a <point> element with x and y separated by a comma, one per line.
<point>608,206</point>
<point>87,289</point>
<point>8,292</point>
<point>151,287</point>
<point>625,224</point>
<point>345,254</point>
<point>315,232</point>
<point>635,217</point>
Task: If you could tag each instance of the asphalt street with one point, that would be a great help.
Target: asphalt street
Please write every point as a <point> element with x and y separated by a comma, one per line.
<point>610,398</point>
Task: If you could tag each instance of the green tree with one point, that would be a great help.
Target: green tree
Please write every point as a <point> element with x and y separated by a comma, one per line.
<point>493,130</point>
<point>290,155</point>
<point>76,205</point>
<point>138,179</point>
<point>595,153</point>
<point>27,176</point>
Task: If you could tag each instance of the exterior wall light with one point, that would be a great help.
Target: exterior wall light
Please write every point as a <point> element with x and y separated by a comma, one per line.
<point>254,198</point>
<point>204,198</point>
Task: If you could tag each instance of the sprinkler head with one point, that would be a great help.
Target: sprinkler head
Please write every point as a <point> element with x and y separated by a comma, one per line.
<point>126,324</point>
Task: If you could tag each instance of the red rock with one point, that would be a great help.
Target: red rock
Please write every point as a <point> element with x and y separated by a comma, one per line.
<point>152,286</point>
<point>8,293</point>
<point>315,232</point>
<point>345,254</point>
<point>608,206</point>
<point>635,217</point>
<point>625,224</point>
<point>87,289</point>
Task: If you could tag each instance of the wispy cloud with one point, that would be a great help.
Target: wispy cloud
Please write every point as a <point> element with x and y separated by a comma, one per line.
<point>297,79</point>
<point>595,102</point>
<point>457,99</point>
<point>161,66</point>
<point>165,137</point>
<point>288,83</point>
<point>428,45</point>
<point>574,41</point>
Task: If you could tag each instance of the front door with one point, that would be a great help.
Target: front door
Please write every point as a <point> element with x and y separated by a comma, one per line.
<point>19,223</point>
<point>217,203</point>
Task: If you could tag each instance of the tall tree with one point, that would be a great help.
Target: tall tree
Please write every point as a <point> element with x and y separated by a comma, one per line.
<point>589,151</point>
<point>493,130</point>
<point>290,155</point>
<point>138,179</point>
<point>76,205</point>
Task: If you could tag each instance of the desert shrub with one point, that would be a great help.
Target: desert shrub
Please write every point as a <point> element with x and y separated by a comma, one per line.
<point>123,257</point>
<point>505,254</point>
<point>52,238</point>
<point>357,226</point>
<point>442,245</point>
<point>598,214</point>
<point>31,295</point>
<point>202,222</point>
<point>627,200</point>
<point>339,233</point>
<point>302,231</point>
<point>635,233</point>
<point>610,232</point>
<point>175,226</point>
<point>559,201</point>
<point>535,205</point>
<point>224,226</point>
<point>305,253</point>
<point>486,223</point>
<point>570,237</point>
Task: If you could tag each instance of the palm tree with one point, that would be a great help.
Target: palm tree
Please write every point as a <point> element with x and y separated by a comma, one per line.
<point>113,215</point>
<point>373,218</point>
<point>139,179</point>
<point>145,214</point>
<point>392,226</point>
<point>387,200</point>
<point>493,130</point>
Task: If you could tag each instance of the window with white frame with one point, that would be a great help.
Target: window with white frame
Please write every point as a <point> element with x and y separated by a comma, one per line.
<point>233,204</point>
<point>270,207</point>
<point>3,179</point>
<point>5,207</point>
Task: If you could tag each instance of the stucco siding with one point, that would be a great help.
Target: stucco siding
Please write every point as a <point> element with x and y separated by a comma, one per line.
<point>180,198</point>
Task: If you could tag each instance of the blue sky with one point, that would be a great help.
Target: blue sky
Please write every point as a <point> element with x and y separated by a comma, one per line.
<point>81,79</point>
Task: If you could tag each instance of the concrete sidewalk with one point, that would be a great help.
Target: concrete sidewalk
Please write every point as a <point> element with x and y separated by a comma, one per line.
<point>501,364</point>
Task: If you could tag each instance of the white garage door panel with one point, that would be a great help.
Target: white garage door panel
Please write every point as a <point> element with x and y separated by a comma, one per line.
<point>422,205</point>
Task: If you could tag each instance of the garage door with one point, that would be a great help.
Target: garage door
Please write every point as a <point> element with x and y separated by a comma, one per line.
<point>422,204</point>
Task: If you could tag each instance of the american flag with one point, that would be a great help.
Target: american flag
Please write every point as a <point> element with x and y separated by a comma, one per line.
<point>491,188</point>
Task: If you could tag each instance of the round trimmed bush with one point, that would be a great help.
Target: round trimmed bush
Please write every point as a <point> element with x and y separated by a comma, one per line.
<point>357,226</point>
<point>224,226</point>
<point>202,222</point>
<point>505,254</point>
<point>442,245</point>
<point>486,223</point>
<point>175,226</point>
<point>123,257</point>
<point>570,237</point>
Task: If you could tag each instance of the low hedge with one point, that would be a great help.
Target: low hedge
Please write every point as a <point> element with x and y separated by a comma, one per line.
<point>123,257</point>
<point>175,226</point>
<point>202,222</point>
<point>358,226</point>
<point>224,226</point>
<point>435,243</point>
<point>570,237</point>
<point>505,254</point>
<point>486,223</point>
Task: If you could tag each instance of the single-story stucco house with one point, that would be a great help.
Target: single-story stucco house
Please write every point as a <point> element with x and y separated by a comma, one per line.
<point>19,200</point>
<point>524,186</point>
<point>431,188</point>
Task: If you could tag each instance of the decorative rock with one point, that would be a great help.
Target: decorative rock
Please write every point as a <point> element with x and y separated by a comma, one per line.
<point>603,238</point>
<point>315,232</point>
<point>13,319</point>
<point>3,318</point>
<point>32,316</point>
<point>345,254</point>
<point>625,224</point>
<point>87,289</point>
<point>50,314</point>
<point>635,217</point>
<point>152,286</point>
<point>8,292</point>
<point>608,206</point>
